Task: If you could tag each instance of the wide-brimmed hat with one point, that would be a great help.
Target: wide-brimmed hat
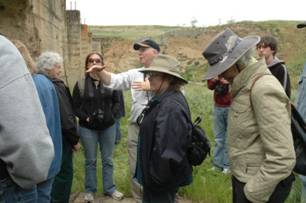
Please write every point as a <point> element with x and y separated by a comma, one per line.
<point>146,43</point>
<point>301,25</point>
<point>225,50</point>
<point>165,64</point>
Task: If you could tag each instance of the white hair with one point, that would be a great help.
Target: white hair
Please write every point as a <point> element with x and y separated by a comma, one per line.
<point>48,60</point>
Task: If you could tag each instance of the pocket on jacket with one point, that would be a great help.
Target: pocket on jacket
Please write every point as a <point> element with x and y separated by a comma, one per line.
<point>240,120</point>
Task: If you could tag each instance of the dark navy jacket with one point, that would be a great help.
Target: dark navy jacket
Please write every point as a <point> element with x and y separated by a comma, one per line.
<point>164,136</point>
<point>89,98</point>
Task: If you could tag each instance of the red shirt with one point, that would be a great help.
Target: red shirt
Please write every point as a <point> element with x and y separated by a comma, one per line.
<point>222,95</point>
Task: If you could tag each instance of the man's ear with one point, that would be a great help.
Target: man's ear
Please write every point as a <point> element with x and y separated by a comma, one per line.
<point>156,52</point>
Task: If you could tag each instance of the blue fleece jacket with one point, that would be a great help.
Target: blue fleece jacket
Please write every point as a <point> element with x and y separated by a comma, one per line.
<point>49,102</point>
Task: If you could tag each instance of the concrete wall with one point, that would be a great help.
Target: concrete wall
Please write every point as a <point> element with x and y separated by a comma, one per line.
<point>45,25</point>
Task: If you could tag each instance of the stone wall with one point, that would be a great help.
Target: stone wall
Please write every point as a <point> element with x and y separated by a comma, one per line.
<point>45,25</point>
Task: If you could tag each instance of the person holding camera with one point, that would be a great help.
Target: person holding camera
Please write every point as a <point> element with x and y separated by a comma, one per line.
<point>222,98</point>
<point>260,143</point>
<point>95,106</point>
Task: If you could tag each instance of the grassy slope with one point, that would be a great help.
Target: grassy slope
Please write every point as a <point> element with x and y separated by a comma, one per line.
<point>207,186</point>
<point>187,43</point>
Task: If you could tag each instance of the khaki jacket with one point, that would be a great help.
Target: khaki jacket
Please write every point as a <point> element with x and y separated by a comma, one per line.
<point>260,143</point>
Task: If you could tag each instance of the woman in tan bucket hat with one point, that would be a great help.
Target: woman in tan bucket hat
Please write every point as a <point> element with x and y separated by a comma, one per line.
<point>162,165</point>
<point>260,143</point>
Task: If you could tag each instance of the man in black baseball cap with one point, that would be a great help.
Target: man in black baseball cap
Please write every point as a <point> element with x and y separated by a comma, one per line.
<point>146,43</point>
<point>301,25</point>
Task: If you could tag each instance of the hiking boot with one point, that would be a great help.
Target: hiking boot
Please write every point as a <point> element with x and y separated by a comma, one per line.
<point>226,171</point>
<point>88,197</point>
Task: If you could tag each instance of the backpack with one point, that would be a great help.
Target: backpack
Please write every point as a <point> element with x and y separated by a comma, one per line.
<point>199,146</point>
<point>298,131</point>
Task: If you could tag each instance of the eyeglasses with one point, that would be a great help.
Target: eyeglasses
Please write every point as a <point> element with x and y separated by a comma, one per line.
<point>97,61</point>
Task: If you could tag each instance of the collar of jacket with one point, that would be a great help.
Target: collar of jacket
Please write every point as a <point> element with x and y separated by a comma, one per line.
<point>165,94</point>
<point>276,61</point>
<point>247,75</point>
<point>51,79</point>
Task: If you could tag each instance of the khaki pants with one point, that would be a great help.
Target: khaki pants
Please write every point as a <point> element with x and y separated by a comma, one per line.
<point>136,188</point>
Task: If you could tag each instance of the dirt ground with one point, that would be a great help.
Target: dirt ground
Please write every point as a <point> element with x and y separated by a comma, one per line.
<point>79,198</point>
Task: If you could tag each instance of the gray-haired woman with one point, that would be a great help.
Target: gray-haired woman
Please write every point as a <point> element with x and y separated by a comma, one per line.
<point>260,143</point>
<point>49,64</point>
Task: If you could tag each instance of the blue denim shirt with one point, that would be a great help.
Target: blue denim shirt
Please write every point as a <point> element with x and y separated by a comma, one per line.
<point>301,95</point>
<point>49,102</point>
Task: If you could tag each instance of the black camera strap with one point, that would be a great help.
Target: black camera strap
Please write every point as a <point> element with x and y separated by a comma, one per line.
<point>3,171</point>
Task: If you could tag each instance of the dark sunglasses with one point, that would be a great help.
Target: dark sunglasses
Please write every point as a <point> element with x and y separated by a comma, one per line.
<point>91,61</point>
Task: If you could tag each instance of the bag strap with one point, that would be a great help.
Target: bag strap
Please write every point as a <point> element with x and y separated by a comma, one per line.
<point>3,171</point>
<point>254,81</point>
<point>81,86</point>
<point>285,77</point>
<point>198,119</point>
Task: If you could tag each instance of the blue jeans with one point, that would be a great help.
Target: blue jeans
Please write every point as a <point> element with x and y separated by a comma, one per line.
<point>220,158</point>
<point>106,140</point>
<point>10,192</point>
<point>44,191</point>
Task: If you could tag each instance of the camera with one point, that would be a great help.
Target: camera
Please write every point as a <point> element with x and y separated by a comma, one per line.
<point>221,89</point>
<point>98,116</point>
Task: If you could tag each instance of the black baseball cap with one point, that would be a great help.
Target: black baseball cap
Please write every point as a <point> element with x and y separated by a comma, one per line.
<point>301,25</point>
<point>146,43</point>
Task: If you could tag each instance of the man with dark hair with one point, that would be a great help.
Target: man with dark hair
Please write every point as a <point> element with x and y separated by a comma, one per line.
<point>301,107</point>
<point>267,47</point>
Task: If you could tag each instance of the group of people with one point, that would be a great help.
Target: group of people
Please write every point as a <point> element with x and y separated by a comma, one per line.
<point>39,129</point>
<point>39,132</point>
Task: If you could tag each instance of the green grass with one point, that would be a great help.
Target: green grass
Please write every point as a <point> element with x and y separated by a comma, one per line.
<point>208,186</point>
